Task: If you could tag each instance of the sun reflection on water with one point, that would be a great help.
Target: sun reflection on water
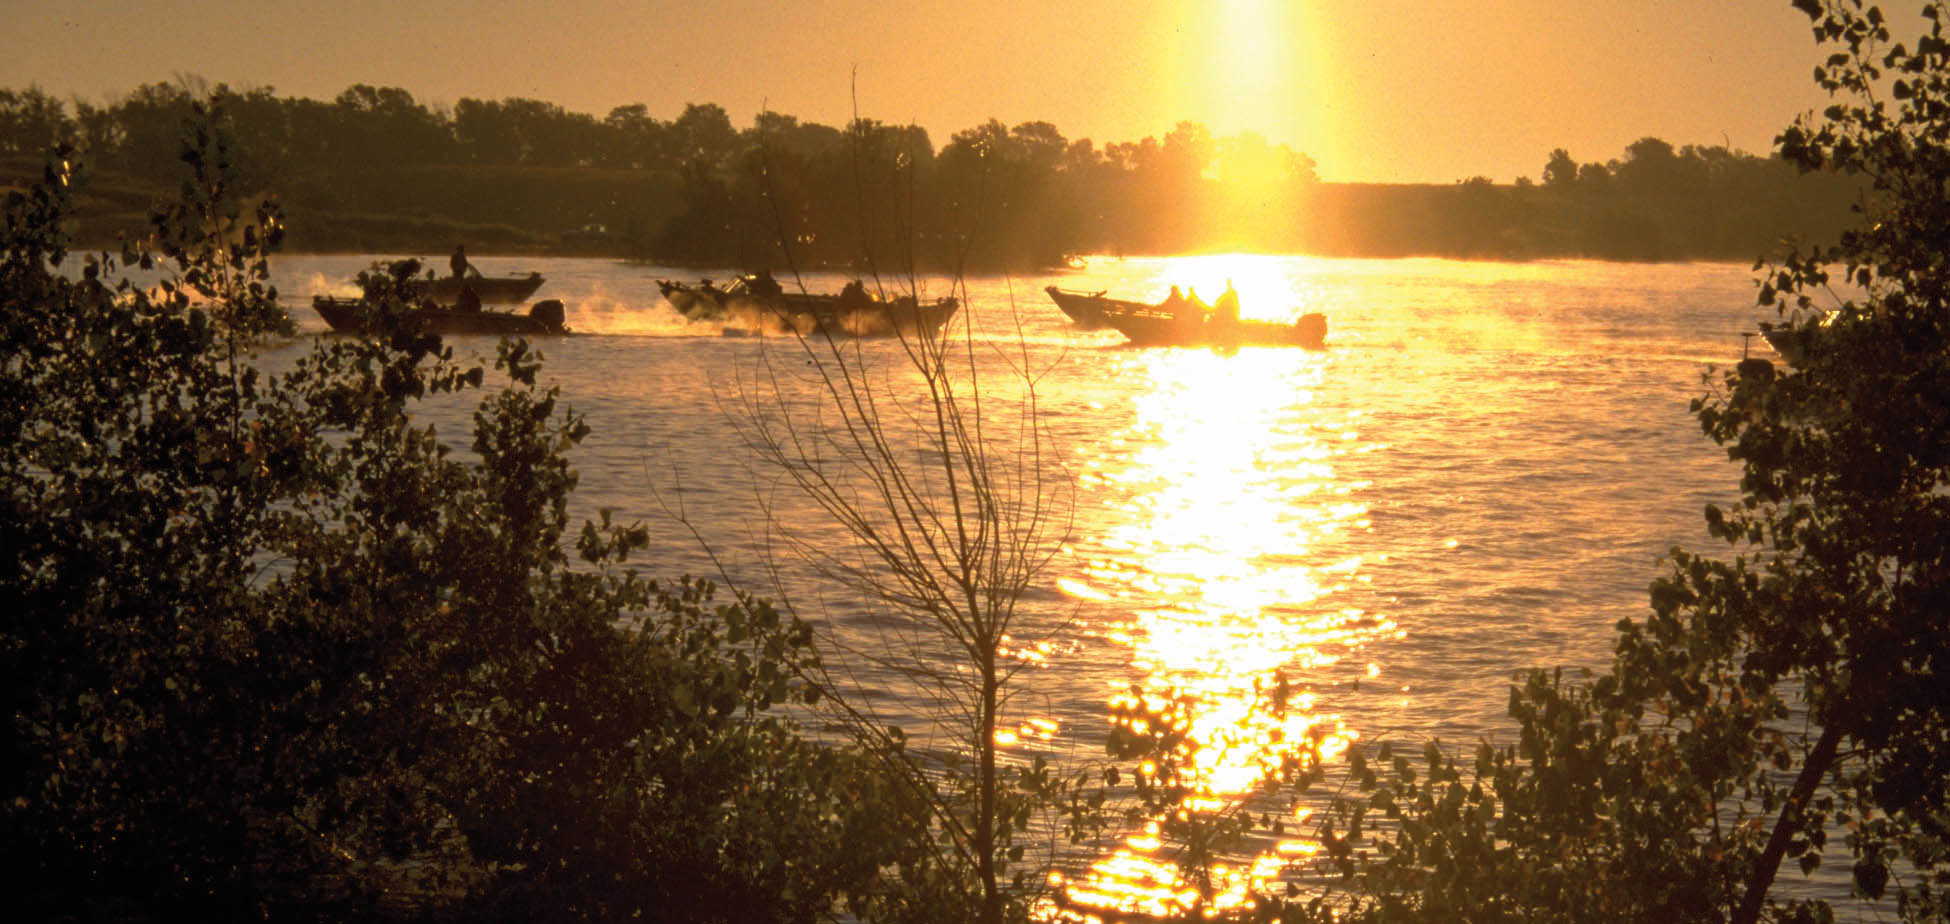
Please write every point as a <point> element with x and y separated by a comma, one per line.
<point>1234,534</point>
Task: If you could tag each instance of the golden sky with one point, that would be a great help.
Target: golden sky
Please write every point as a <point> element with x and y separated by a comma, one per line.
<point>1374,90</point>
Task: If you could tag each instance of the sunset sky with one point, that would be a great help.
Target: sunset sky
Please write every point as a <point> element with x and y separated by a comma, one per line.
<point>1374,90</point>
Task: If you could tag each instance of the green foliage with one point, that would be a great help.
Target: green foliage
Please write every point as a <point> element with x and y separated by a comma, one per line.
<point>1783,701</point>
<point>275,649</point>
<point>375,169</point>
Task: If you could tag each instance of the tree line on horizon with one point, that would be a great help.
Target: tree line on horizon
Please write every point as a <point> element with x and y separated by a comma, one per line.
<point>279,648</point>
<point>376,169</point>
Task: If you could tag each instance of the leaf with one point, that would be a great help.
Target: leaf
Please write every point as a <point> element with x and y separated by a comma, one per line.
<point>1871,878</point>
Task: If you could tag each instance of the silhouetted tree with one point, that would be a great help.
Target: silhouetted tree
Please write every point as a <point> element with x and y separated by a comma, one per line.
<point>32,121</point>
<point>1783,700</point>
<point>1561,170</point>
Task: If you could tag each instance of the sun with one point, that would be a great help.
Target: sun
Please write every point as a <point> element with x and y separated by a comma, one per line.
<point>1243,66</point>
<point>1255,74</point>
<point>1267,287</point>
<point>1249,82</point>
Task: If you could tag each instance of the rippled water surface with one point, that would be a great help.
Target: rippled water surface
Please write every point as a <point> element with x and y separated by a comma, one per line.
<point>1477,476</point>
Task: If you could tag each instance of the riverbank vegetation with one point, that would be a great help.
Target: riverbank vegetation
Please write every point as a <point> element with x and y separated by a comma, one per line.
<point>276,649</point>
<point>1782,703</point>
<point>376,170</point>
<point>279,651</point>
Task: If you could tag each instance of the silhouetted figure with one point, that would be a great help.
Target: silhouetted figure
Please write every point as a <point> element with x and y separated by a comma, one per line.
<point>1183,311</point>
<point>467,301</point>
<point>763,284</point>
<point>550,312</point>
<point>458,262</point>
<point>854,295</point>
<point>1226,309</point>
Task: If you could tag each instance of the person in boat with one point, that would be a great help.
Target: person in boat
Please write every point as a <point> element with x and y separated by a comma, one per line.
<point>467,301</point>
<point>854,295</point>
<point>763,284</point>
<point>1183,310</point>
<point>458,262</point>
<point>1226,309</point>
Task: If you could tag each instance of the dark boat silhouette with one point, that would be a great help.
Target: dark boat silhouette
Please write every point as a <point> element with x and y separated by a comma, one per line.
<point>834,315</point>
<point>1146,324</point>
<point>491,290</point>
<point>354,316</point>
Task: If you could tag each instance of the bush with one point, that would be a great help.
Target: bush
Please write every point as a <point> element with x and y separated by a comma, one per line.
<point>275,650</point>
<point>1789,691</point>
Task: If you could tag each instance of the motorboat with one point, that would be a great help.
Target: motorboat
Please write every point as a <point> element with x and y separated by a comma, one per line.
<point>850,313</point>
<point>357,316</point>
<point>491,290</point>
<point>1185,324</point>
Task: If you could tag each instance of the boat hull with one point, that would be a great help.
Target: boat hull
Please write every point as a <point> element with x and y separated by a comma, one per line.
<point>1087,309</point>
<point>348,316</point>
<point>1155,325</point>
<point>695,303</point>
<point>491,290</point>
<point>808,314</point>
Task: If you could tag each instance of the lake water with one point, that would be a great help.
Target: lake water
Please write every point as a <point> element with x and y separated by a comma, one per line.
<point>1478,476</point>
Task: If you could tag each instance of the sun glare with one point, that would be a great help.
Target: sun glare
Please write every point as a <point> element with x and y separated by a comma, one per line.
<point>1253,66</point>
<point>1252,72</point>
<point>1224,577</point>
<point>1267,288</point>
<point>1247,84</point>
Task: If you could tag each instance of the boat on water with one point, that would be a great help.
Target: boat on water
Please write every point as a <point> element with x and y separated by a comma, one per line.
<point>1792,338</point>
<point>355,316</point>
<point>702,302</point>
<point>491,290</point>
<point>1784,343</point>
<point>1188,324</point>
<point>1087,309</point>
<point>749,305</point>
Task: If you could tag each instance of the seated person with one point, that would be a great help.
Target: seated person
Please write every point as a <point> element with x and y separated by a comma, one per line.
<point>1226,309</point>
<point>855,295</point>
<point>762,283</point>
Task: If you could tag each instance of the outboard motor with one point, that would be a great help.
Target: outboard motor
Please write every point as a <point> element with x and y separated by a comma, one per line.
<point>550,313</point>
<point>1312,329</point>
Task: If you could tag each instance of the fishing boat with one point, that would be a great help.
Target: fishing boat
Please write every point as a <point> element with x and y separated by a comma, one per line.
<point>702,302</point>
<point>851,313</point>
<point>1146,324</point>
<point>354,316</point>
<point>1793,338</point>
<point>491,290</point>
<point>1087,308</point>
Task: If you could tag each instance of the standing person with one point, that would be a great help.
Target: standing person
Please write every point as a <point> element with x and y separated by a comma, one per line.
<point>458,262</point>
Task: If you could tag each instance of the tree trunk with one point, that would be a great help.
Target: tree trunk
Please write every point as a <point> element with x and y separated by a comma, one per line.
<point>1819,760</point>
<point>985,822</point>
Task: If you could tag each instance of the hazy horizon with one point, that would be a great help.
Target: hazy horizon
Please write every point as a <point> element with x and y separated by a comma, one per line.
<point>1381,91</point>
